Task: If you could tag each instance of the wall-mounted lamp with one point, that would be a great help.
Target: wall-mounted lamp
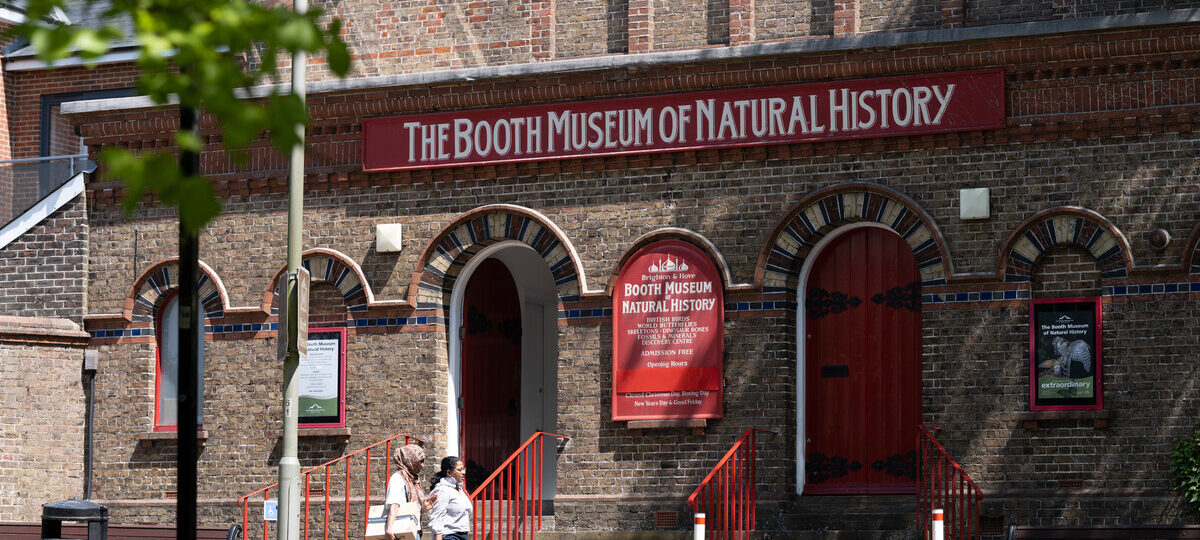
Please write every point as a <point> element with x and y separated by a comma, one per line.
<point>1160,238</point>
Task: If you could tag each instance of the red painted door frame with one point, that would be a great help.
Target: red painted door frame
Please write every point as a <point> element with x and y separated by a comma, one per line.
<point>862,366</point>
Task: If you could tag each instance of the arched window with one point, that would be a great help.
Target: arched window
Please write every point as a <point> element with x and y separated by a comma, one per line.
<point>166,372</point>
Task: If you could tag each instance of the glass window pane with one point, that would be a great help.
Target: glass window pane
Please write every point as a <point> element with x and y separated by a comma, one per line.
<point>168,380</point>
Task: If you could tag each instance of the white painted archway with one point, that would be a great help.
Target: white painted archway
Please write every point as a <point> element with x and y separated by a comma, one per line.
<point>539,347</point>
<point>801,382</point>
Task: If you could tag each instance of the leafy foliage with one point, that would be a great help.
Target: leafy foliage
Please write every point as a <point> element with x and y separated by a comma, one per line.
<point>1185,467</point>
<point>201,54</point>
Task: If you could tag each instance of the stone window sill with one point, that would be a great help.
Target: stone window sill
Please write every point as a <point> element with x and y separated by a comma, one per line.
<point>147,439</point>
<point>342,433</point>
<point>1099,419</point>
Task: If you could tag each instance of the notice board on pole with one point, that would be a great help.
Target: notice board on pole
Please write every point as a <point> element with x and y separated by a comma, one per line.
<point>322,379</point>
<point>668,335</point>
<point>1065,354</point>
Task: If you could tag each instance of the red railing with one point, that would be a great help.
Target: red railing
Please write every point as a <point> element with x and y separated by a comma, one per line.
<point>944,484</point>
<point>331,475</point>
<point>729,493</point>
<point>509,503</point>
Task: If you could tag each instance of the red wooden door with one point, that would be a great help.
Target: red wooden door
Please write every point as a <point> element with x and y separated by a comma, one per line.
<point>862,371</point>
<point>491,370</point>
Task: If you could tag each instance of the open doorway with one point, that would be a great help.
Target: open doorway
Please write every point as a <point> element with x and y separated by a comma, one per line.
<point>503,359</point>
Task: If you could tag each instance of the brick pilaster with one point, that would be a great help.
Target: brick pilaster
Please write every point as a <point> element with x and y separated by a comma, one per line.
<point>1064,9</point>
<point>541,40</point>
<point>845,18</point>
<point>641,26</point>
<point>741,22</point>
<point>952,13</point>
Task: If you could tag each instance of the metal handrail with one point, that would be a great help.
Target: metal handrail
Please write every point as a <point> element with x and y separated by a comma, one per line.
<point>41,158</point>
<point>326,468</point>
<point>728,496</point>
<point>518,481</point>
<point>945,485</point>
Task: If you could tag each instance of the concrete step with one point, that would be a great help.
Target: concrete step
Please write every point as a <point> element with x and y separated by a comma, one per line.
<point>754,535</point>
<point>840,517</point>
<point>849,513</point>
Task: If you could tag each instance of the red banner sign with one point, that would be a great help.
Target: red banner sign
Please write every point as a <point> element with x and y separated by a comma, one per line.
<point>959,101</point>
<point>668,335</point>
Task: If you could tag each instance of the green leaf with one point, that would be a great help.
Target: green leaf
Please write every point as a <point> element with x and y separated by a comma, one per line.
<point>299,34</point>
<point>198,204</point>
<point>90,43</point>
<point>339,57</point>
<point>199,52</point>
<point>189,141</point>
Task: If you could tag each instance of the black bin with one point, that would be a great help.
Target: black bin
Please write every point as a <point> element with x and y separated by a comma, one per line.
<point>95,515</point>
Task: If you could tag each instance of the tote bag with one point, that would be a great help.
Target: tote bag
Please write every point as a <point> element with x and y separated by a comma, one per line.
<point>404,526</point>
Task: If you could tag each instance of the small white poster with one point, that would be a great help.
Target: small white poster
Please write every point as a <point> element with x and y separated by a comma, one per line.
<point>319,377</point>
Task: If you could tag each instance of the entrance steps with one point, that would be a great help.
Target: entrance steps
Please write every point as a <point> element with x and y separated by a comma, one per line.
<point>754,535</point>
<point>808,517</point>
<point>890,517</point>
<point>825,517</point>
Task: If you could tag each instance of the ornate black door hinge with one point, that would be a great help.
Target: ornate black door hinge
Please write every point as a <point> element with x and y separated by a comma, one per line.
<point>821,467</point>
<point>901,297</point>
<point>902,465</point>
<point>820,302</point>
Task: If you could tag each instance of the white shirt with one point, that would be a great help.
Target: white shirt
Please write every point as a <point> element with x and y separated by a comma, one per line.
<point>397,493</point>
<point>397,489</point>
<point>452,511</point>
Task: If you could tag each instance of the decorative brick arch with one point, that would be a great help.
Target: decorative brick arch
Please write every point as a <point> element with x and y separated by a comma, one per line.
<point>1190,261</point>
<point>446,255</point>
<point>162,278</point>
<point>333,267</point>
<point>1067,225</point>
<point>828,209</point>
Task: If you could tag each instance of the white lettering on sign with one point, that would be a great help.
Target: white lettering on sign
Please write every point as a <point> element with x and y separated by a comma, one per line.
<point>913,104</point>
<point>707,120</point>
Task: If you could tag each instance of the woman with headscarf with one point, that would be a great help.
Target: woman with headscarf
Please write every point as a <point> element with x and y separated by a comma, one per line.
<point>403,487</point>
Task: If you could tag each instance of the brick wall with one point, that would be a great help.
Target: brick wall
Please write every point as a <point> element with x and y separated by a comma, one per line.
<point>42,404</point>
<point>43,272</point>
<point>680,25</point>
<point>983,12</point>
<point>25,89</point>
<point>404,37</point>
<point>5,141</point>
<point>889,15</point>
<point>407,37</point>
<point>1110,148</point>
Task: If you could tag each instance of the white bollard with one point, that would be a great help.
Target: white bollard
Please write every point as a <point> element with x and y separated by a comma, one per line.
<point>938,529</point>
<point>698,527</point>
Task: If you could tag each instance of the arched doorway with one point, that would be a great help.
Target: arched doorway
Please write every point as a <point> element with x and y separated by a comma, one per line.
<point>861,365</point>
<point>491,370</point>
<point>503,360</point>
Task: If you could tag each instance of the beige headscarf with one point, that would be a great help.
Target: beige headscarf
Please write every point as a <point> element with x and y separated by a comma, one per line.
<point>408,460</point>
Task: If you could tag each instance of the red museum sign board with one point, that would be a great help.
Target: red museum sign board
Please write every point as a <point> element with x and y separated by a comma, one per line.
<point>855,109</point>
<point>668,335</point>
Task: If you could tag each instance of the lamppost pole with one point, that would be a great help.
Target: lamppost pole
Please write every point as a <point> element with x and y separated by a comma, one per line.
<point>289,464</point>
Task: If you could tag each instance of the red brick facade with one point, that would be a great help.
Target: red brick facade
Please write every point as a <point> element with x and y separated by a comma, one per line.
<point>1099,136</point>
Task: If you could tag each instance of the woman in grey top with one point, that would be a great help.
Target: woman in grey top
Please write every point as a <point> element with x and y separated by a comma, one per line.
<point>450,518</point>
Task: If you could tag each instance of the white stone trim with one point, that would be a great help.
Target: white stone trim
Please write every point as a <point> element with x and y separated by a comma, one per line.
<point>42,210</point>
